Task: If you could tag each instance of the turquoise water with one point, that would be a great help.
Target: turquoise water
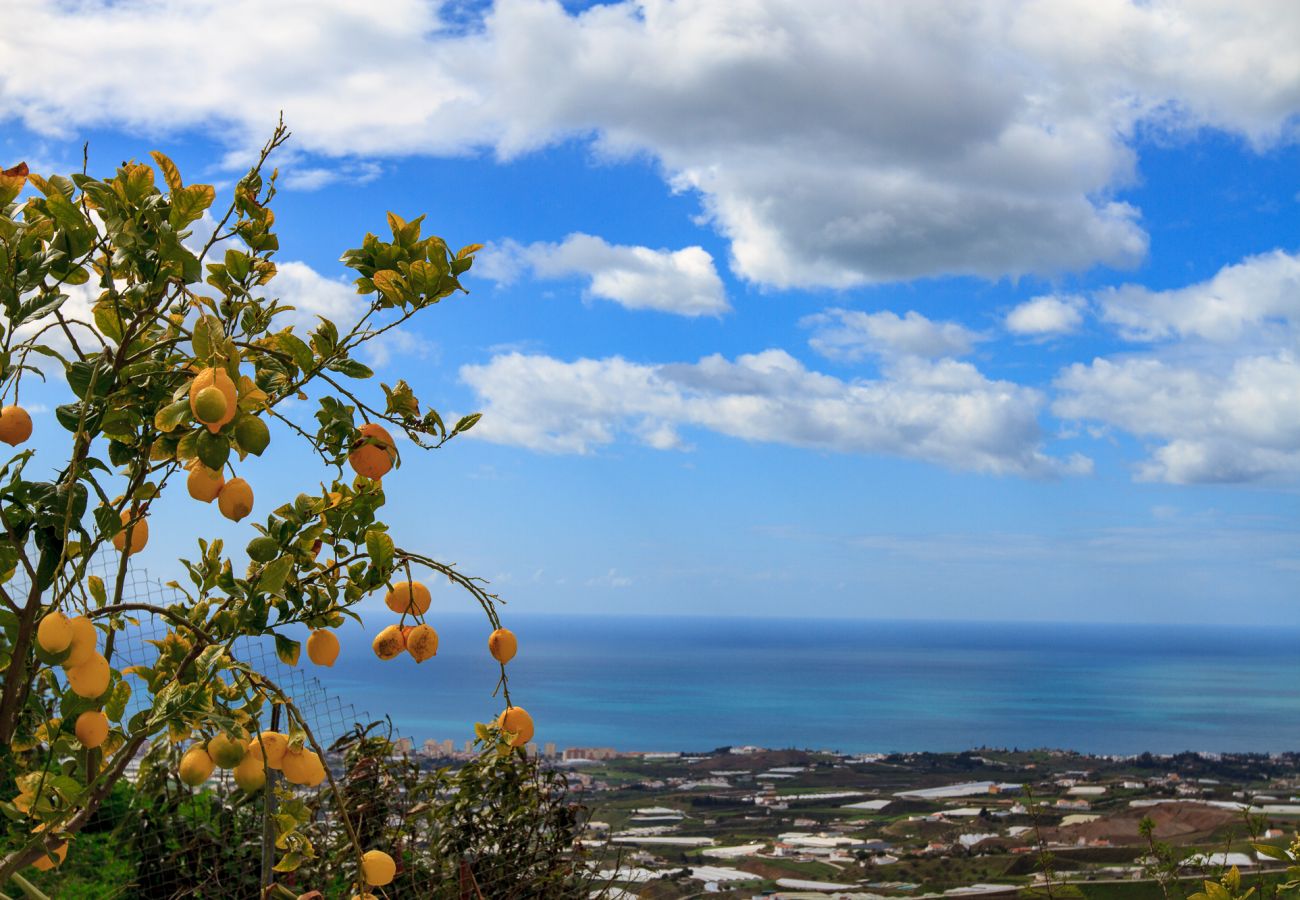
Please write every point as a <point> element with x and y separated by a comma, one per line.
<point>857,686</point>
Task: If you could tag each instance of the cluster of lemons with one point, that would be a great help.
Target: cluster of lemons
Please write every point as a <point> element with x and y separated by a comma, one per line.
<point>73,644</point>
<point>249,757</point>
<point>214,401</point>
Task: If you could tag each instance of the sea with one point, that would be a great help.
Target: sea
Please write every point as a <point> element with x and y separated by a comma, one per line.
<point>694,684</point>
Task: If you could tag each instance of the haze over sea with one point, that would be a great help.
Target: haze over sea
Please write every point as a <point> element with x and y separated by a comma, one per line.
<point>637,683</point>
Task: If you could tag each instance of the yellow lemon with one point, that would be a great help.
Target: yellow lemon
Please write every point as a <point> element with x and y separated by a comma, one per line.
<point>322,647</point>
<point>15,425</point>
<point>373,452</point>
<point>422,643</point>
<point>91,728</point>
<point>84,640</point>
<point>517,722</point>
<point>389,643</point>
<point>235,499</point>
<point>196,766</point>
<point>273,743</point>
<point>408,597</point>
<point>139,533</point>
<point>377,868</point>
<point>54,634</point>
<point>303,766</point>
<point>250,774</point>
<point>503,645</point>
<point>219,379</point>
<point>203,483</point>
<point>90,679</point>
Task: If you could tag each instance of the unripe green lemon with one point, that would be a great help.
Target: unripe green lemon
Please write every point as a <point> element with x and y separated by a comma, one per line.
<point>210,405</point>
<point>225,751</point>
<point>252,434</point>
<point>263,549</point>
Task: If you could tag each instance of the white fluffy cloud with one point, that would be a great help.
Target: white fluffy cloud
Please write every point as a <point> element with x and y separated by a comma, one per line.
<point>1238,425</point>
<point>833,143</point>
<point>1218,392</point>
<point>1046,316</point>
<point>944,412</point>
<point>683,282</point>
<point>1256,299</point>
<point>850,334</point>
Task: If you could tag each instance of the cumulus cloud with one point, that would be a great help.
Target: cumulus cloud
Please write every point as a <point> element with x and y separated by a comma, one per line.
<point>1217,389</point>
<point>1046,316</point>
<point>1258,298</point>
<point>833,143</point>
<point>683,282</point>
<point>1234,426</point>
<point>943,411</point>
<point>850,335</point>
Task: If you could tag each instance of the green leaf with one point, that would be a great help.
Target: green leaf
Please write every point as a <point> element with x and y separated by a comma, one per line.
<point>116,706</point>
<point>291,344</point>
<point>189,204</point>
<point>108,321</point>
<point>213,449</point>
<point>351,368</point>
<point>273,576</point>
<point>379,546</point>
<point>170,416</point>
<point>1273,852</point>
<point>287,650</point>
<point>401,400</point>
<point>171,174</point>
<point>96,586</point>
<point>466,423</point>
<point>206,337</point>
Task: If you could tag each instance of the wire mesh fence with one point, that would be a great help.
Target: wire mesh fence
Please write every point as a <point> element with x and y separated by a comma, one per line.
<point>495,828</point>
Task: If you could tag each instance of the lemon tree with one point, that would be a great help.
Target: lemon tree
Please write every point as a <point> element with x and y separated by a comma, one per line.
<point>179,370</point>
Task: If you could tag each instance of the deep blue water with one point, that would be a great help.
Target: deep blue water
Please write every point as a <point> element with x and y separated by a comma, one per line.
<point>697,683</point>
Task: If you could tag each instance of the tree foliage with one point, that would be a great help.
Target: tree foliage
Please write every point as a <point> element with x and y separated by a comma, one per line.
<point>167,314</point>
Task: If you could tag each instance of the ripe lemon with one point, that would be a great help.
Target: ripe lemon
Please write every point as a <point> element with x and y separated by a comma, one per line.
<point>54,634</point>
<point>503,645</point>
<point>408,597</point>
<point>203,483</point>
<point>377,868</point>
<point>422,642</point>
<point>373,452</point>
<point>225,751</point>
<point>250,774</point>
<point>90,679</point>
<point>84,640</point>
<point>273,744</point>
<point>15,425</point>
<point>235,499</point>
<point>303,766</point>
<point>209,405</point>
<point>91,728</point>
<point>139,534</point>
<point>214,378</point>
<point>196,766</point>
<point>322,647</point>
<point>517,722</point>
<point>389,643</point>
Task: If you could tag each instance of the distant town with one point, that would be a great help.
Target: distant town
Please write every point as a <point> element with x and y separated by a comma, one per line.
<point>745,822</point>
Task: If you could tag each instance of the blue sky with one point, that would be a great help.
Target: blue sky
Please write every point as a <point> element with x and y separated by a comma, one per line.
<point>986,311</point>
